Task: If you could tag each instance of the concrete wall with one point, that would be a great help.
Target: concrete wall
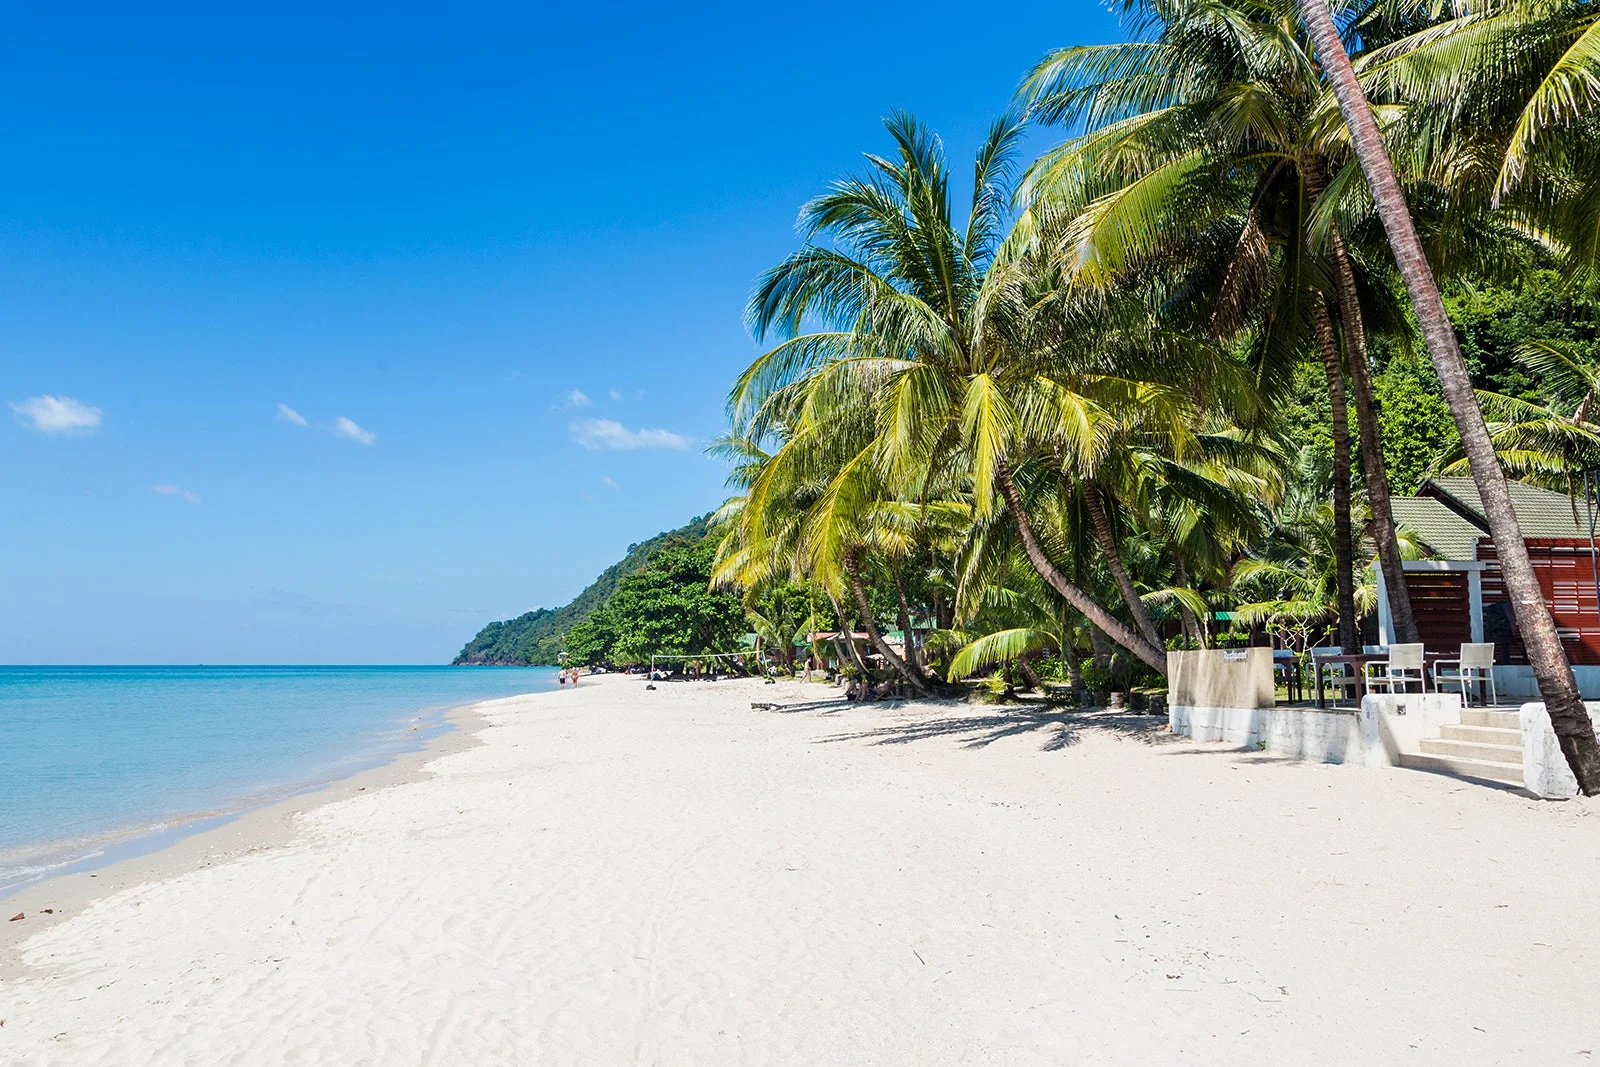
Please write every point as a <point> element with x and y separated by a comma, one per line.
<point>1514,683</point>
<point>1304,733</point>
<point>1385,728</point>
<point>1376,736</point>
<point>1544,768</point>
<point>1395,725</point>
<point>1221,678</point>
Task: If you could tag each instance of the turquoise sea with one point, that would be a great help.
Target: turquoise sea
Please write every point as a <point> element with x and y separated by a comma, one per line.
<point>95,759</point>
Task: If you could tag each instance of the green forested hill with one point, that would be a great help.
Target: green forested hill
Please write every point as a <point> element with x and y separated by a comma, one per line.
<point>535,639</point>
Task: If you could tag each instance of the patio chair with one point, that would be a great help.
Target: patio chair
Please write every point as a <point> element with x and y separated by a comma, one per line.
<point>1403,667</point>
<point>1345,679</point>
<point>1475,665</point>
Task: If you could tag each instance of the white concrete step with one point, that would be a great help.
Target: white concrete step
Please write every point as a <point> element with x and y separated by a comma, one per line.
<point>1506,720</point>
<point>1472,750</point>
<point>1483,735</point>
<point>1463,768</point>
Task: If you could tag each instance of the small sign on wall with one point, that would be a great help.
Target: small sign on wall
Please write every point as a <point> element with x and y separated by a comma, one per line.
<point>1235,655</point>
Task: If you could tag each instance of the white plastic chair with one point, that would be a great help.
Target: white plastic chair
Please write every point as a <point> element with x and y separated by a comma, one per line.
<point>1475,665</point>
<point>1403,667</point>
<point>1344,680</point>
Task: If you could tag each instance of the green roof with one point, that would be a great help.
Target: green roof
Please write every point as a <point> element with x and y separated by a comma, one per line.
<point>1540,512</point>
<point>1444,531</point>
<point>1448,517</point>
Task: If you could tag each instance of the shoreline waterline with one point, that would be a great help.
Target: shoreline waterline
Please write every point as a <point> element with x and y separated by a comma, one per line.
<point>34,864</point>
<point>619,873</point>
<point>109,763</point>
<point>216,840</point>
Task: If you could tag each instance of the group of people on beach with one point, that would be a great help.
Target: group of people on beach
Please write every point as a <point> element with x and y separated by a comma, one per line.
<point>569,674</point>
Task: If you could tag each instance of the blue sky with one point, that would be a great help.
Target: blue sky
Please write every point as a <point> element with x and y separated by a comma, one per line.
<point>330,333</point>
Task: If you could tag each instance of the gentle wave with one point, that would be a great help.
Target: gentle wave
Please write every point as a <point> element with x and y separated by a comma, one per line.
<point>99,758</point>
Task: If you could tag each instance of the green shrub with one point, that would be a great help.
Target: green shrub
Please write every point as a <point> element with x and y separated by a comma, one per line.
<point>1052,669</point>
<point>1096,677</point>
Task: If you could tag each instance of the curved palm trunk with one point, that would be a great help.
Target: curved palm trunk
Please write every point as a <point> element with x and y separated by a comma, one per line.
<point>1191,623</point>
<point>1074,668</point>
<point>1099,647</point>
<point>1108,544</point>
<point>849,626</point>
<point>1029,674</point>
<point>903,617</point>
<point>1343,539</point>
<point>852,566</point>
<point>1372,463</point>
<point>1153,655</point>
<point>1573,727</point>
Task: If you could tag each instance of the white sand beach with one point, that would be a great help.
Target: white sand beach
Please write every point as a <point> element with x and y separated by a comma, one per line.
<point>617,876</point>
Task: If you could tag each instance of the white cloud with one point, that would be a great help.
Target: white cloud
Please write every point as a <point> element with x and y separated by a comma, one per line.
<point>172,490</point>
<point>606,480</point>
<point>56,414</point>
<point>347,428</point>
<point>607,435</point>
<point>579,399</point>
<point>289,414</point>
<point>616,394</point>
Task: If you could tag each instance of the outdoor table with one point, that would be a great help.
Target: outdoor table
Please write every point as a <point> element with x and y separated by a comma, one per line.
<point>1359,660</point>
<point>1293,680</point>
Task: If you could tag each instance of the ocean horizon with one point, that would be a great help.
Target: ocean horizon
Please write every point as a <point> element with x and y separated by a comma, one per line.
<point>98,757</point>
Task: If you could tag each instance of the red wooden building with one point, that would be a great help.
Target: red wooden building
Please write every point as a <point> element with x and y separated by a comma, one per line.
<point>1458,596</point>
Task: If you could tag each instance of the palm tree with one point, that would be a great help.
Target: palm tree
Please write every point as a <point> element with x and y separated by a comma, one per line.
<point>1568,717</point>
<point>948,329</point>
<point>1208,123</point>
<point>1286,582</point>
<point>1017,616</point>
<point>816,506</point>
<point>1552,445</point>
<point>1497,102</point>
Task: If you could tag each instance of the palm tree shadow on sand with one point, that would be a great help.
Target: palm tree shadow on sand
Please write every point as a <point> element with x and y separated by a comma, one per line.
<point>1061,728</point>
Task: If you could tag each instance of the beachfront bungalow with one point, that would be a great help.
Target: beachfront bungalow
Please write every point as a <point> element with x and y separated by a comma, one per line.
<point>1458,596</point>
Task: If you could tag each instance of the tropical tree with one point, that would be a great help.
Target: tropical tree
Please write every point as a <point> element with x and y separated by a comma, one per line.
<point>962,343</point>
<point>1570,720</point>
<point>1016,618</point>
<point>1206,140</point>
<point>1286,582</point>
<point>815,506</point>
<point>1555,444</point>
<point>667,608</point>
<point>1496,102</point>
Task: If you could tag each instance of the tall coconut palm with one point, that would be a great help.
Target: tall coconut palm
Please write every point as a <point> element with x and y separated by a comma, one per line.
<point>816,506</point>
<point>1568,717</point>
<point>951,328</point>
<point>1554,445</point>
<point>1497,101</point>
<point>1210,119</point>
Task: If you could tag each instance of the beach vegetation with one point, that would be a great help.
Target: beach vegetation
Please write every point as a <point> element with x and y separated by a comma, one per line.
<point>1156,385</point>
<point>539,638</point>
<point>1172,370</point>
<point>667,607</point>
